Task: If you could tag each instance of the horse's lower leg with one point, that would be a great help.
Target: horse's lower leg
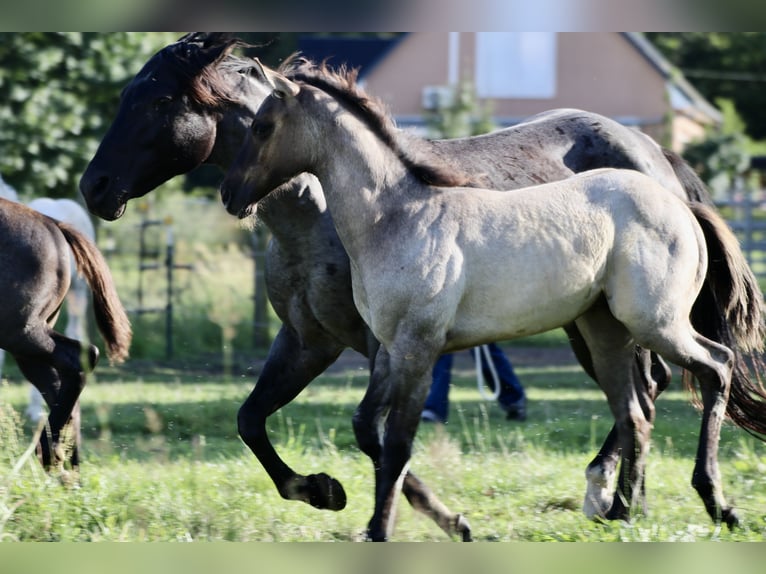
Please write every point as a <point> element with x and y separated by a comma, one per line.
<point>600,473</point>
<point>397,391</point>
<point>289,368</point>
<point>60,378</point>
<point>422,499</point>
<point>50,384</point>
<point>712,365</point>
<point>652,374</point>
<point>622,378</point>
<point>706,478</point>
<point>635,433</point>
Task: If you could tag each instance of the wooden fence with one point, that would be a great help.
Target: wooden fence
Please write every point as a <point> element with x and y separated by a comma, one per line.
<point>746,215</point>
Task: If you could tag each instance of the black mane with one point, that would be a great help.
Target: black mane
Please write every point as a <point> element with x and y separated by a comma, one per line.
<point>201,58</point>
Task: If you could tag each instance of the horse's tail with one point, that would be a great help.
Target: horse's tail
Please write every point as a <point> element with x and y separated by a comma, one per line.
<point>695,188</point>
<point>729,310</point>
<point>111,318</point>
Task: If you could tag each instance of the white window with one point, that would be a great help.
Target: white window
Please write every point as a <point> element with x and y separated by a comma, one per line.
<point>516,64</point>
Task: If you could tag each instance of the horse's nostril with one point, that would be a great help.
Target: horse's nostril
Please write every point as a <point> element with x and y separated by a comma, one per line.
<point>100,184</point>
<point>94,186</point>
<point>225,195</point>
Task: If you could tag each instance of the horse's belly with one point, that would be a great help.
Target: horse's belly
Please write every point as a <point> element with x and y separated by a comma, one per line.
<point>507,310</point>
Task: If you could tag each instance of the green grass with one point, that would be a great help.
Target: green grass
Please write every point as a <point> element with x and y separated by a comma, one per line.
<point>162,462</point>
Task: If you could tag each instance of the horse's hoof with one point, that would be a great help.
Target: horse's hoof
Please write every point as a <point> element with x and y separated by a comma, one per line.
<point>595,507</point>
<point>729,516</point>
<point>463,528</point>
<point>325,492</point>
<point>618,514</point>
<point>374,537</point>
<point>93,355</point>
<point>598,497</point>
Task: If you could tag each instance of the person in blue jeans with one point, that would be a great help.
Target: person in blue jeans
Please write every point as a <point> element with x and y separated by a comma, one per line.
<point>512,398</point>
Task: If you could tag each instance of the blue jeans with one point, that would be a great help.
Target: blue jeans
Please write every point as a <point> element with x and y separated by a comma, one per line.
<point>511,390</point>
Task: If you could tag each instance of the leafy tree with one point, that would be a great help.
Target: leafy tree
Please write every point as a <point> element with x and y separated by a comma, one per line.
<point>460,115</point>
<point>722,156</point>
<point>58,93</point>
<point>723,65</point>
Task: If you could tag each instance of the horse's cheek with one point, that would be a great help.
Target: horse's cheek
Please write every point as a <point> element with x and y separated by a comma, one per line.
<point>194,135</point>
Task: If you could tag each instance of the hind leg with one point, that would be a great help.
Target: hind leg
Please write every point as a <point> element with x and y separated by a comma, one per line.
<point>651,372</point>
<point>652,375</point>
<point>60,378</point>
<point>711,364</point>
<point>631,403</point>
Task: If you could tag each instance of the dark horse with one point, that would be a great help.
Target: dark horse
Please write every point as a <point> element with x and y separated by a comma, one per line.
<point>192,103</point>
<point>34,280</point>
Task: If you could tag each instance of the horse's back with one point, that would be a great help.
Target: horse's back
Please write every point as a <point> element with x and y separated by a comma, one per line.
<point>566,243</point>
<point>554,145</point>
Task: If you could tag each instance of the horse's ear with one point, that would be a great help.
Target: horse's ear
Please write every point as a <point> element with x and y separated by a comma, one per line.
<point>280,85</point>
<point>206,48</point>
<point>217,48</point>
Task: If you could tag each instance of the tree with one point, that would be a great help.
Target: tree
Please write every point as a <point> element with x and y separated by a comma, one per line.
<point>459,114</point>
<point>59,92</point>
<point>722,65</point>
<point>721,157</point>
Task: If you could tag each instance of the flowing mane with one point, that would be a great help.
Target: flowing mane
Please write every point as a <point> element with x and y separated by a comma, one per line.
<point>206,77</point>
<point>341,83</point>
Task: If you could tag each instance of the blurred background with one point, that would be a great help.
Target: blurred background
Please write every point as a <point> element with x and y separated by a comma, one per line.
<point>190,274</point>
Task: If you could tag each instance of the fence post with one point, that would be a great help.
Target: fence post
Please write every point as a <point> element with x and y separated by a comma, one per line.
<point>260,300</point>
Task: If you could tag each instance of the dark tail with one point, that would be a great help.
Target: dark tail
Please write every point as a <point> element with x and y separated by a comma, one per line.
<point>695,188</point>
<point>729,310</point>
<point>111,319</point>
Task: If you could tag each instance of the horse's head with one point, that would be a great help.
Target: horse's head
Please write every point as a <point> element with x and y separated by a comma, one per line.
<point>275,148</point>
<point>166,123</point>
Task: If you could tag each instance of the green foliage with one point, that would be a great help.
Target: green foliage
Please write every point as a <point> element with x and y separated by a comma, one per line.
<point>58,92</point>
<point>729,65</point>
<point>461,115</point>
<point>212,300</point>
<point>723,155</point>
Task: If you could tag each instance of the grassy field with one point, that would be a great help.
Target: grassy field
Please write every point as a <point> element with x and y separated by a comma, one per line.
<point>163,462</point>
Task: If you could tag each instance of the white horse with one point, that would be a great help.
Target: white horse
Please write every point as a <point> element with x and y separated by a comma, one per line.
<point>77,299</point>
<point>438,267</point>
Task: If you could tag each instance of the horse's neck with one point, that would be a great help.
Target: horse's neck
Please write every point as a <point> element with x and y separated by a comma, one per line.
<point>362,179</point>
<point>235,120</point>
<point>295,211</point>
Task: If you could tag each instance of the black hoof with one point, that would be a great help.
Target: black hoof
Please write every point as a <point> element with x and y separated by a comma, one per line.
<point>463,528</point>
<point>730,517</point>
<point>325,492</point>
<point>618,511</point>
<point>93,357</point>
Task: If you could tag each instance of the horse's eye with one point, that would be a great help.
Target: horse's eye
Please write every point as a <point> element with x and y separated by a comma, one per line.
<point>162,102</point>
<point>262,129</point>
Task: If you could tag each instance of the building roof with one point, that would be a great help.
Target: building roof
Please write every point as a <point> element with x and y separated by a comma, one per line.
<point>362,52</point>
<point>682,91</point>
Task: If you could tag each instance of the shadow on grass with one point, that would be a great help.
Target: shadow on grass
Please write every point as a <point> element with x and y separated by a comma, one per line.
<point>172,414</point>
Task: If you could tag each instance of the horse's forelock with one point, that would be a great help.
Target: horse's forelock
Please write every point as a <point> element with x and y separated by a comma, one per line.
<point>206,84</point>
<point>341,83</point>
